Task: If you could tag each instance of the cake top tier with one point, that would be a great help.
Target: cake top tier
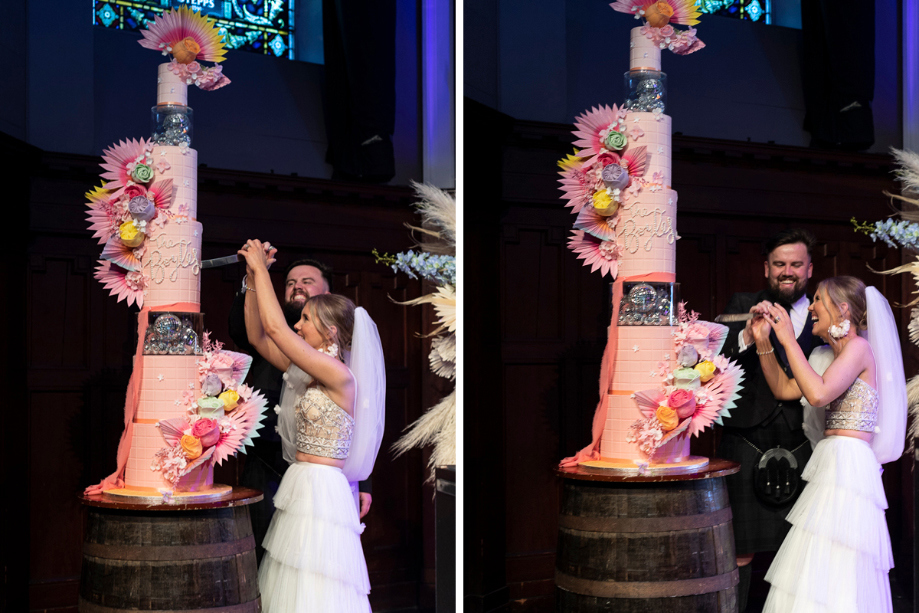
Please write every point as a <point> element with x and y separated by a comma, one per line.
<point>644,53</point>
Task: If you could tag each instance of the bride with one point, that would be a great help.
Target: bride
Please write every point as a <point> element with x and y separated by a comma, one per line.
<point>331,425</point>
<point>837,555</point>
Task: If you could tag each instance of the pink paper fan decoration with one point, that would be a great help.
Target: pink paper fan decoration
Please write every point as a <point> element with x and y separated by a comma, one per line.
<point>679,430</point>
<point>598,254</point>
<point>588,126</point>
<point>104,217</point>
<point>177,25</point>
<point>172,429</point>
<point>649,401</point>
<point>162,194</point>
<point>118,253</point>
<point>634,160</point>
<point>721,390</point>
<point>578,188</point>
<point>115,161</point>
<point>122,283</point>
<point>246,418</point>
<point>201,459</point>
<point>597,225</point>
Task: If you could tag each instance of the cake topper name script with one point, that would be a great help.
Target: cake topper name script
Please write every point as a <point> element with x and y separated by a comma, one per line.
<point>646,222</point>
<point>178,254</point>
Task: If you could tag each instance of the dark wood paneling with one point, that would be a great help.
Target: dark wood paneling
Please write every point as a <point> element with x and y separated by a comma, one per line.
<point>79,343</point>
<point>532,388</point>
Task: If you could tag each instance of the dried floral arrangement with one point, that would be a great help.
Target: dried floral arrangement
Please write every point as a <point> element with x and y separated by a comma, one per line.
<point>901,230</point>
<point>435,262</point>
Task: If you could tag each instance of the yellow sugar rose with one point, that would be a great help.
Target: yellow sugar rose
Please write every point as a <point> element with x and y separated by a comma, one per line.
<point>603,204</point>
<point>191,445</point>
<point>706,370</point>
<point>230,400</point>
<point>668,418</point>
<point>130,235</point>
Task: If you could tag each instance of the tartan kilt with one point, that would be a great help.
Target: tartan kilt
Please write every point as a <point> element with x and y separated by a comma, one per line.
<point>759,526</point>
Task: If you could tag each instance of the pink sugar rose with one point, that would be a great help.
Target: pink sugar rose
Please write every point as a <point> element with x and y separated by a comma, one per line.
<point>683,402</point>
<point>667,30</point>
<point>193,67</point>
<point>207,430</point>
<point>132,191</point>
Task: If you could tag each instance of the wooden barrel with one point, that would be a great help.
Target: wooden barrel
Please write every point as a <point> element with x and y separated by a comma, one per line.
<point>661,547</point>
<point>169,561</point>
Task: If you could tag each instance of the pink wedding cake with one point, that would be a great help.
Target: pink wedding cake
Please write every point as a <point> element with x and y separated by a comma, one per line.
<point>186,407</point>
<point>663,379</point>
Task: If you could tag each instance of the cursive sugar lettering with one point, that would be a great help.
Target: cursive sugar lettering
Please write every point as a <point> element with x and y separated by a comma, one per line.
<point>187,256</point>
<point>653,223</point>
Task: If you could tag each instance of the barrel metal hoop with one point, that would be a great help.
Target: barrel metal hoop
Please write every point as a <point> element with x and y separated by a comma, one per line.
<point>152,553</point>
<point>646,524</point>
<point>253,606</point>
<point>647,589</point>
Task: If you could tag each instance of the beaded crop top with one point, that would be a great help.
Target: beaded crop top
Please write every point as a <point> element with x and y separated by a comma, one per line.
<point>323,427</point>
<point>856,409</point>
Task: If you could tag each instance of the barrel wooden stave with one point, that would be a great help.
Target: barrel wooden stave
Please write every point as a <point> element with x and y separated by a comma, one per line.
<point>178,560</point>
<point>624,546</point>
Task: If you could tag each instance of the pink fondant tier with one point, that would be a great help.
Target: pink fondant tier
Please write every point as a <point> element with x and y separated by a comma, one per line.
<point>643,52</point>
<point>170,88</point>
<point>647,233</point>
<point>657,142</point>
<point>138,475</point>
<point>640,353</point>
<point>165,379</point>
<point>172,262</point>
<point>183,170</point>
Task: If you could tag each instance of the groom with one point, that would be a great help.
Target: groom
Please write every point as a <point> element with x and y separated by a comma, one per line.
<point>761,423</point>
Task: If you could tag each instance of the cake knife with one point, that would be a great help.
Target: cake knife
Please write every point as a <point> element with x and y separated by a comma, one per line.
<point>730,318</point>
<point>230,259</point>
<point>217,262</point>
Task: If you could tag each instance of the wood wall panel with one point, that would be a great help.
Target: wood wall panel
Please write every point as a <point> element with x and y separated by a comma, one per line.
<point>732,196</point>
<point>79,343</point>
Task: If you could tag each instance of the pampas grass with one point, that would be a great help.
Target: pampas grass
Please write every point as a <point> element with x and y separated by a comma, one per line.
<point>438,425</point>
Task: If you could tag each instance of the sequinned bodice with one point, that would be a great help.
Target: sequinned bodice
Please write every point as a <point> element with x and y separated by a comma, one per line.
<point>856,409</point>
<point>323,427</point>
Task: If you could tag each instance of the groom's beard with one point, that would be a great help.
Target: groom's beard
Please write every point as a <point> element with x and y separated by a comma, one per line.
<point>292,312</point>
<point>777,297</point>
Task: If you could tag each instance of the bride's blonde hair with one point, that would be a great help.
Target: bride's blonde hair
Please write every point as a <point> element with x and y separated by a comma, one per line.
<point>328,310</point>
<point>849,290</point>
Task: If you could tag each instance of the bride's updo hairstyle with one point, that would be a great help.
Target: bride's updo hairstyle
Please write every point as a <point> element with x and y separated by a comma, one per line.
<point>851,291</point>
<point>328,310</point>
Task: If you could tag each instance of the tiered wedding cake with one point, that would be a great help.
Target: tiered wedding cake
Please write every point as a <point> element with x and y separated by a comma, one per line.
<point>186,409</point>
<point>662,379</point>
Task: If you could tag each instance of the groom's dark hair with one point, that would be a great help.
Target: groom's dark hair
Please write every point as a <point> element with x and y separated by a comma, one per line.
<point>790,236</point>
<point>324,269</point>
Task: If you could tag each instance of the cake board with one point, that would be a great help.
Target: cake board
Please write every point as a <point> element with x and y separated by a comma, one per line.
<point>184,555</point>
<point>630,542</point>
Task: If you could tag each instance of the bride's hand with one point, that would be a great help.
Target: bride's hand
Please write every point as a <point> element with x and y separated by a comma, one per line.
<point>256,256</point>
<point>781,323</point>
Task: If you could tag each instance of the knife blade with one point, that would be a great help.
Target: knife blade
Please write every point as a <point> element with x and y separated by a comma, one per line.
<point>217,262</point>
<point>730,318</point>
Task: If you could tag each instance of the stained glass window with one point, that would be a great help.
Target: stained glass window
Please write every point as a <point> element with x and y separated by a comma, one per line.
<point>259,26</point>
<point>752,10</point>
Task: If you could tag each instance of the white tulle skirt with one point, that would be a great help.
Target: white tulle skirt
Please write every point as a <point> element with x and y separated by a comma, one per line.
<point>837,556</point>
<point>313,558</point>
